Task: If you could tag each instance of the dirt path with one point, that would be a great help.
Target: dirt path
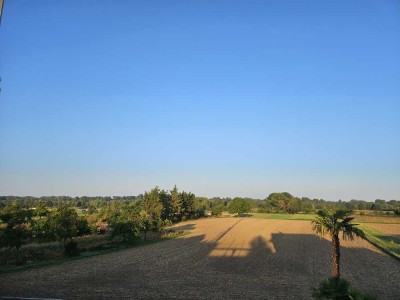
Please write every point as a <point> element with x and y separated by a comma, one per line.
<point>221,259</point>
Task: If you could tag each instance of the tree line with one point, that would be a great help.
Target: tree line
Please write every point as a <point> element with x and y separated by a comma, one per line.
<point>274,202</point>
<point>128,219</point>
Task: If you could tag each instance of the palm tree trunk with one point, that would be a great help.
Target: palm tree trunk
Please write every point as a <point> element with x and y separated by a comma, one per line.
<point>335,257</point>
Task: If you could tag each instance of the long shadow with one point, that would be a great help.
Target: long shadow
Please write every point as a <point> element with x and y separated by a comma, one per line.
<point>185,227</point>
<point>227,231</point>
<point>293,263</point>
<point>283,266</point>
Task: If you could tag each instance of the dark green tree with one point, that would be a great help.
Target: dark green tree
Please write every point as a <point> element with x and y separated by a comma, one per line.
<point>17,229</point>
<point>188,205</point>
<point>168,210</point>
<point>63,226</point>
<point>176,204</point>
<point>126,223</point>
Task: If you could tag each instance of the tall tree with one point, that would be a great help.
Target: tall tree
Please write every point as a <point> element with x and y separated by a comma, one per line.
<point>167,211</point>
<point>188,204</point>
<point>333,223</point>
<point>152,204</point>
<point>176,202</point>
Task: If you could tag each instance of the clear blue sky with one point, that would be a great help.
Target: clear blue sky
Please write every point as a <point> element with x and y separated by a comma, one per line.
<point>222,98</point>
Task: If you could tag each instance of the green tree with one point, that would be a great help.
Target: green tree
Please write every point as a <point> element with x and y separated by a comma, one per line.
<point>152,204</point>
<point>41,210</point>
<point>126,223</point>
<point>279,201</point>
<point>16,232</point>
<point>146,223</point>
<point>293,206</point>
<point>62,224</point>
<point>188,205</point>
<point>239,206</point>
<point>168,210</point>
<point>333,223</point>
<point>217,210</point>
<point>176,203</point>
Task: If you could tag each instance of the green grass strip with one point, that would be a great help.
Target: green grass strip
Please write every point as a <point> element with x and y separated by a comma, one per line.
<point>307,217</point>
<point>87,254</point>
<point>387,243</point>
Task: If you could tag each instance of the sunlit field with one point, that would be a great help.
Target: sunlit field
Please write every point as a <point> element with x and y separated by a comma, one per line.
<point>231,258</point>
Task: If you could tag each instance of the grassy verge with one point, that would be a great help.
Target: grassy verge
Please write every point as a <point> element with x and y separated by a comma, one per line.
<point>307,217</point>
<point>382,219</point>
<point>385,242</point>
<point>100,249</point>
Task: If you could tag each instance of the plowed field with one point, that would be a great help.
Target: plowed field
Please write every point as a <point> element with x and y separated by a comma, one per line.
<point>226,258</point>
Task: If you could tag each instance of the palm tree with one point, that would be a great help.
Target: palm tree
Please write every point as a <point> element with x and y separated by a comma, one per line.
<point>334,223</point>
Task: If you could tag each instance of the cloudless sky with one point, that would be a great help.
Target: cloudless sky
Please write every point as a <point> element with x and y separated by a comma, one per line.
<point>222,98</point>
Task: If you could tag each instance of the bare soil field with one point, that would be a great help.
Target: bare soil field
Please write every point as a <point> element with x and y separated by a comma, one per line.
<point>228,258</point>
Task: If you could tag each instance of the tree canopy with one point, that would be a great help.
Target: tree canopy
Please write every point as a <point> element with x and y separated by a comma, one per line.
<point>239,206</point>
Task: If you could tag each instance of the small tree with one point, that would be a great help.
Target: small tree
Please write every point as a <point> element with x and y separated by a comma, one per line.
<point>62,224</point>
<point>239,206</point>
<point>16,232</point>
<point>217,210</point>
<point>333,223</point>
<point>41,210</point>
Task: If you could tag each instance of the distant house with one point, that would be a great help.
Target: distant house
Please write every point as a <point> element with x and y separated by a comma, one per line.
<point>103,228</point>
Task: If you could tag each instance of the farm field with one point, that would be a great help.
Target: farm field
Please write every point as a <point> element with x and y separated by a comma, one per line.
<point>233,258</point>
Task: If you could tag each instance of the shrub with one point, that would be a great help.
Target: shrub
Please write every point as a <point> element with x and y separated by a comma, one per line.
<point>217,210</point>
<point>338,289</point>
<point>128,231</point>
<point>71,248</point>
<point>332,288</point>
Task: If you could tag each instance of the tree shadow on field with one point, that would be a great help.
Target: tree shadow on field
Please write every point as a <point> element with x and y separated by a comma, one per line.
<point>258,266</point>
<point>245,215</point>
<point>297,262</point>
<point>185,227</point>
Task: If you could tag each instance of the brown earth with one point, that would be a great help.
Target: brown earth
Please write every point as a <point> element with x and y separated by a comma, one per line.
<point>227,258</point>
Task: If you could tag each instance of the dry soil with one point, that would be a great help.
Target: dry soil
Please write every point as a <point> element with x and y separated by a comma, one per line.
<point>227,258</point>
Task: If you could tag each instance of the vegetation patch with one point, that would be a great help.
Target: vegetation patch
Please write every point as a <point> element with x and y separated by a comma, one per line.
<point>385,242</point>
<point>47,254</point>
<point>379,219</point>
<point>307,217</point>
<point>340,289</point>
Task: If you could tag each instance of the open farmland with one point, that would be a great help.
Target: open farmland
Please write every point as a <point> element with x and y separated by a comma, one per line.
<point>222,258</point>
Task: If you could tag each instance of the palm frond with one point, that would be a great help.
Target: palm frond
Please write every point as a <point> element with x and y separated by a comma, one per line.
<point>334,222</point>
